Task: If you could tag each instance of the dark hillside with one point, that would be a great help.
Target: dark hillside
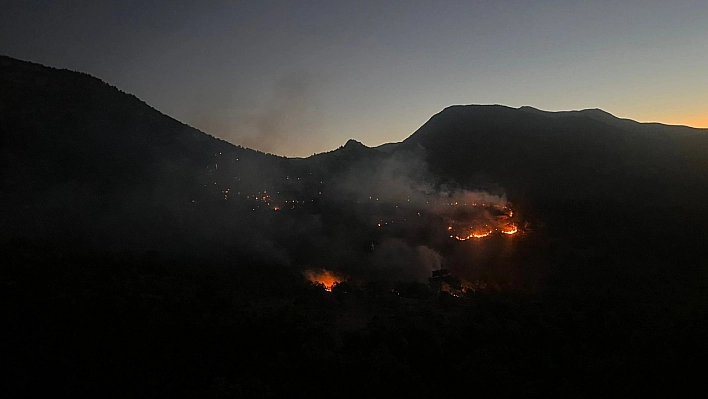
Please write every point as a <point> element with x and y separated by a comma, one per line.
<point>579,155</point>
<point>604,190</point>
<point>82,158</point>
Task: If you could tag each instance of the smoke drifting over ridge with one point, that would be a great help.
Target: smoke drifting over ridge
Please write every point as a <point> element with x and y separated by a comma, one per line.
<point>277,124</point>
<point>274,123</point>
<point>289,109</point>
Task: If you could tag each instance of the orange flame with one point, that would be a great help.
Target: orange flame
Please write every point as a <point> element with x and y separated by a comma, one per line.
<point>478,233</point>
<point>324,277</point>
<point>498,221</point>
<point>481,233</point>
<point>510,229</point>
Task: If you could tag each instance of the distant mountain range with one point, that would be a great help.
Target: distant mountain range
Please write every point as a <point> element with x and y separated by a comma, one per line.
<point>76,152</point>
<point>62,126</point>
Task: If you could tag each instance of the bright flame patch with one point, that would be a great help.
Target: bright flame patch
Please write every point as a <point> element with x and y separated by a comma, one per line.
<point>509,229</point>
<point>324,277</point>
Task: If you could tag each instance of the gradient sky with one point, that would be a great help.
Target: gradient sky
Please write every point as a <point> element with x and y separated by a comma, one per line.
<point>300,77</point>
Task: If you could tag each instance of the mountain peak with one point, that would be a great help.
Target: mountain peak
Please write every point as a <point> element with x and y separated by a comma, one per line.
<point>351,143</point>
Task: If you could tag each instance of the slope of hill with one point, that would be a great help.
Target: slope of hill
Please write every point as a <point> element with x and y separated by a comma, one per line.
<point>81,158</point>
<point>62,126</point>
<point>580,155</point>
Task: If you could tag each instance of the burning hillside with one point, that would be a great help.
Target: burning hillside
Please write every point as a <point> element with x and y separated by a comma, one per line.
<point>477,221</point>
<point>325,278</point>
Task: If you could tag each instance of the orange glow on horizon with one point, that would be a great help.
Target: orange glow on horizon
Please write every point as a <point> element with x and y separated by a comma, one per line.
<point>700,122</point>
<point>695,118</point>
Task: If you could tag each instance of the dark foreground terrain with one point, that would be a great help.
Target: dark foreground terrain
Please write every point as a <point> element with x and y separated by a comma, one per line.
<point>103,325</point>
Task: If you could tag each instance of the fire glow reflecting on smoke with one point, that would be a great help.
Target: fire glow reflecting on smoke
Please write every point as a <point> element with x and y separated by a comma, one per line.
<point>324,277</point>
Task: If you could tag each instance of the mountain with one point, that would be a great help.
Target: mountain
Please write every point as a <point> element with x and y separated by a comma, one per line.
<point>576,155</point>
<point>79,155</point>
<point>143,257</point>
<point>61,127</point>
<point>80,158</point>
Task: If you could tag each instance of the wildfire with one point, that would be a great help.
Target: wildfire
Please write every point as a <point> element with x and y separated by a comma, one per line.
<point>510,229</point>
<point>486,220</point>
<point>478,233</point>
<point>324,277</point>
<point>481,233</point>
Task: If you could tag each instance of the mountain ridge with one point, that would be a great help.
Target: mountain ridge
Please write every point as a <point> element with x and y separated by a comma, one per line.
<point>594,113</point>
<point>68,135</point>
<point>567,155</point>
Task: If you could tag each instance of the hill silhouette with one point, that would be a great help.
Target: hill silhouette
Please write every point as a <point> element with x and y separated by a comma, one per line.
<point>82,158</point>
<point>87,164</point>
<point>579,155</point>
<point>68,132</point>
<point>143,257</point>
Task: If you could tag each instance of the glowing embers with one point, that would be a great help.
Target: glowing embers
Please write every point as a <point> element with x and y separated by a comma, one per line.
<point>324,278</point>
<point>509,229</point>
<point>476,222</point>
<point>479,232</point>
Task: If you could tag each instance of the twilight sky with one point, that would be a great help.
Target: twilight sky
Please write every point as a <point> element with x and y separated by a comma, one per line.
<point>300,77</point>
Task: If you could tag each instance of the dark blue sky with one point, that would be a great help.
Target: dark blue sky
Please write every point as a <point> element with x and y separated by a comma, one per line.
<point>300,77</point>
